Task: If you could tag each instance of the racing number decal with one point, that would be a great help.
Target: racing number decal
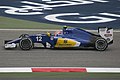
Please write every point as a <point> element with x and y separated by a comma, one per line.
<point>39,38</point>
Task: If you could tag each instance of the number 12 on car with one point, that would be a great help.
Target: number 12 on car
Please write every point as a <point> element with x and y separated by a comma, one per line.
<point>39,38</point>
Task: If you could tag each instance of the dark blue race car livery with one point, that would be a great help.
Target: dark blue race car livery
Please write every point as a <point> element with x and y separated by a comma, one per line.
<point>65,38</point>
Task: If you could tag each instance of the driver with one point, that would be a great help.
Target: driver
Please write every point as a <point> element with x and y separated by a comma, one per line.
<point>61,31</point>
<point>64,29</point>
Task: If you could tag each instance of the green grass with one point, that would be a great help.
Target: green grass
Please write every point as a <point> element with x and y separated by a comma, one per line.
<point>60,75</point>
<point>11,23</point>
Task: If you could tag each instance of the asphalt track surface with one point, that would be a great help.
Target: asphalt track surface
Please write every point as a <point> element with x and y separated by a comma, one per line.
<point>53,58</point>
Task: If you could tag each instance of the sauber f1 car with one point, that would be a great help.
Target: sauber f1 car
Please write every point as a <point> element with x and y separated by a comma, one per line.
<point>65,38</point>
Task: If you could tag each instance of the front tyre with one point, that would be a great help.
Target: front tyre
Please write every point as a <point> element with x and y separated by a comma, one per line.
<point>26,44</point>
<point>101,44</point>
<point>23,36</point>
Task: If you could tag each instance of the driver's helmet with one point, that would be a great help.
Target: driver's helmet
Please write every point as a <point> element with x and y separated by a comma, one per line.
<point>48,34</point>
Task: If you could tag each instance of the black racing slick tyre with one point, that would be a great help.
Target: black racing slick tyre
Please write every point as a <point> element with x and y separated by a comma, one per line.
<point>101,44</point>
<point>26,44</point>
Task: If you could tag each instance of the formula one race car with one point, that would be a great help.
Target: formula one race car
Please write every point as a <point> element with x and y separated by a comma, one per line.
<point>65,38</point>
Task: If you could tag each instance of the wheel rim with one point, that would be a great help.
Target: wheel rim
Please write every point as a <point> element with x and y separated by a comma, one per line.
<point>26,44</point>
<point>101,44</point>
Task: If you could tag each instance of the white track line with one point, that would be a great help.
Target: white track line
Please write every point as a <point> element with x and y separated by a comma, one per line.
<point>46,30</point>
<point>103,70</point>
<point>15,69</point>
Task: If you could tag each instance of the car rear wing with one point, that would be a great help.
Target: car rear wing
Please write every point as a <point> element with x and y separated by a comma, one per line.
<point>106,33</point>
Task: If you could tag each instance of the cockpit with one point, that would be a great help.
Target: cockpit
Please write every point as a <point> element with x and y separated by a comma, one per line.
<point>57,33</point>
<point>64,31</point>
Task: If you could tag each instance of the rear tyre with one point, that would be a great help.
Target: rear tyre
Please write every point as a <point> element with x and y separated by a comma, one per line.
<point>26,44</point>
<point>101,44</point>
